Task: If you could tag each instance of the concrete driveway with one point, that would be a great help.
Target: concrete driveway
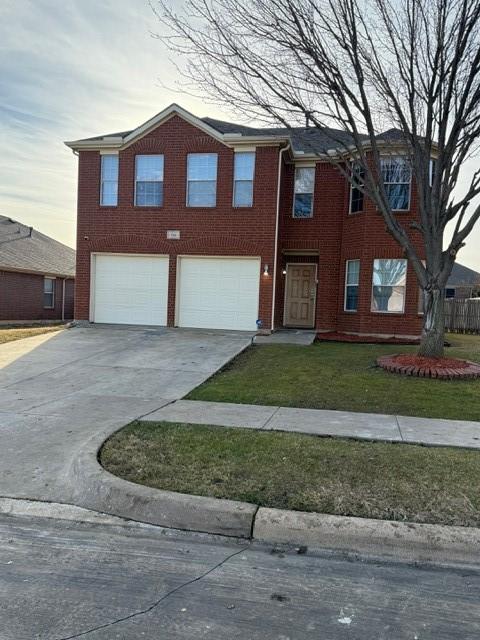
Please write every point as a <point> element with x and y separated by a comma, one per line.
<point>58,390</point>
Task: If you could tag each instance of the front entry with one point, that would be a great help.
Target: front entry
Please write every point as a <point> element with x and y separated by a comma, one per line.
<point>300,295</point>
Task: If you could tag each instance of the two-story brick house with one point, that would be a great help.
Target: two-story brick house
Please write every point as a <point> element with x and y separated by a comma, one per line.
<point>195,222</point>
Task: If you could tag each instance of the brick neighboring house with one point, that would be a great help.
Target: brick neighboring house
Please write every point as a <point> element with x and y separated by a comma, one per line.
<point>463,283</point>
<point>196,222</point>
<point>36,275</point>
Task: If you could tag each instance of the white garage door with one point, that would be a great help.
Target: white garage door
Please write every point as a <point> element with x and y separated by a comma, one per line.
<point>130,289</point>
<point>218,293</point>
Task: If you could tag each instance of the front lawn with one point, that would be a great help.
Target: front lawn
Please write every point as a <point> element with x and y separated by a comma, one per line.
<point>330,375</point>
<point>301,472</point>
<point>9,334</point>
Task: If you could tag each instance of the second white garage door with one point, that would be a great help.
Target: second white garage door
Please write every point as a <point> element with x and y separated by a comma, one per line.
<point>130,289</point>
<point>218,293</point>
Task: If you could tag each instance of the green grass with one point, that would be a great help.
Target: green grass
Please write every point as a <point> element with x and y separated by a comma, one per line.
<point>294,471</point>
<point>330,375</point>
<point>9,334</point>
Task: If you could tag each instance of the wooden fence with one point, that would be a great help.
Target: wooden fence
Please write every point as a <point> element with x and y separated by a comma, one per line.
<point>462,316</point>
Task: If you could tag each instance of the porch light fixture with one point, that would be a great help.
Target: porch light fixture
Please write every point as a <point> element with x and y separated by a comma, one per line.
<point>265,270</point>
<point>284,272</point>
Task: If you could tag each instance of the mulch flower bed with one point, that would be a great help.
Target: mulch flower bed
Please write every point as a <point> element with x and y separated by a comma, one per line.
<point>421,367</point>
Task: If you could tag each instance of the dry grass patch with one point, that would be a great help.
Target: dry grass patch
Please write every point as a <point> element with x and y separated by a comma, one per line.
<point>301,472</point>
<point>11,333</point>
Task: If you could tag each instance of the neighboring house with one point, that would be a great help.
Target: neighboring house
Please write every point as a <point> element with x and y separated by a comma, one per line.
<point>194,222</point>
<point>36,275</point>
<point>463,283</point>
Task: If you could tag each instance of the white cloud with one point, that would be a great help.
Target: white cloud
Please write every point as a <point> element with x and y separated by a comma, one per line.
<point>73,69</point>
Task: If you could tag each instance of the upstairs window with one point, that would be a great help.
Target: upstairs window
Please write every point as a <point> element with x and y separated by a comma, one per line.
<point>352,279</point>
<point>109,181</point>
<point>149,181</point>
<point>356,196</point>
<point>304,187</point>
<point>49,293</point>
<point>244,167</point>
<point>397,177</point>
<point>202,179</point>
<point>389,284</point>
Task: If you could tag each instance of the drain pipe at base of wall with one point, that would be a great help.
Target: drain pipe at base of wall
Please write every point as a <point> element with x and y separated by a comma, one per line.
<point>63,299</point>
<point>275,261</point>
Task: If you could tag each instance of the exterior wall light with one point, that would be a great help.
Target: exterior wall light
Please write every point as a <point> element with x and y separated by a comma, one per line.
<point>265,270</point>
<point>284,272</point>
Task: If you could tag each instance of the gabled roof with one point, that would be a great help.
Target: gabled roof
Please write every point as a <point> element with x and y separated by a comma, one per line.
<point>313,141</point>
<point>24,249</point>
<point>463,276</point>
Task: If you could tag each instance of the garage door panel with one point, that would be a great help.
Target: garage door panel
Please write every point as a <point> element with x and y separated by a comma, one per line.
<point>219,293</point>
<point>131,289</point>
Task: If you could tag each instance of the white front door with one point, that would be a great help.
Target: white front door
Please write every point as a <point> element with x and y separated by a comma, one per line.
<point>218,293</point>
<point>129,289</point>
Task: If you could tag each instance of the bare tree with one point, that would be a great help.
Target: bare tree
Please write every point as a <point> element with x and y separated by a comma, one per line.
<point>359,67</point>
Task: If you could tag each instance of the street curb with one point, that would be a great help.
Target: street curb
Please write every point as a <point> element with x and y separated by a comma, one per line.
<point>399,540</point>
<point>95,488</point>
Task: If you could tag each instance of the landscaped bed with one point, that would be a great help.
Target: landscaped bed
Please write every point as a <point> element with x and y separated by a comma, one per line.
<point>344,376</point>
<point>306,473</point>
<point>11,333</point>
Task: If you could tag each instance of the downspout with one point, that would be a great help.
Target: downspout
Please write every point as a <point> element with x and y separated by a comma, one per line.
<point>63,300</point>
<point>277,216</point>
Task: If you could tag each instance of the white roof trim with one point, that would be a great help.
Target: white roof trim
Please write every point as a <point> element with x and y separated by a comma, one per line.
<point>117,142</point>
<point>166,114</point>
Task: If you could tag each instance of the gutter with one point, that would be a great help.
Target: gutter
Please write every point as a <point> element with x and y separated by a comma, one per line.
<point>277,215</point>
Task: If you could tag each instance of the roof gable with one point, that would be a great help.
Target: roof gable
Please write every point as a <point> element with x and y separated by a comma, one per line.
<point>305,141</point>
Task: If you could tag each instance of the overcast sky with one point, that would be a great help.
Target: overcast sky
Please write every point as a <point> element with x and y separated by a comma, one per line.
<point>71,69</point>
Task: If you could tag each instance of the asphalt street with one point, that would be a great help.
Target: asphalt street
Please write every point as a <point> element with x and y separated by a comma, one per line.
<point>62,579</point>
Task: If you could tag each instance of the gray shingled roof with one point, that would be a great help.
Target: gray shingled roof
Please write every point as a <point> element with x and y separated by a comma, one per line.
<point>23,248</point>
<point>304,139</point>
<point>463,276</point>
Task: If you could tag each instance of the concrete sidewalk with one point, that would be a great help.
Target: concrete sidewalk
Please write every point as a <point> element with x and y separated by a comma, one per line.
<point>345,424</point>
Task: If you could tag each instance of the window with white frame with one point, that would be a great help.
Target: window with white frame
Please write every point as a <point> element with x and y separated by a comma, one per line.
<point>432,170</point>
<point>48,293</point>
<point>352,279</point>
<point>109,180</point>
<point>389,285</point>
<point>397,177</point>
<point>244,168</point>
<point>303,192</point>
<point>149,181</point>
<point>202,179</point>
<point>356,195</point>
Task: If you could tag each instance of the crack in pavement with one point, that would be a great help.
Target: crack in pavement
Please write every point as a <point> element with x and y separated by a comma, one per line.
<point>142,612</point>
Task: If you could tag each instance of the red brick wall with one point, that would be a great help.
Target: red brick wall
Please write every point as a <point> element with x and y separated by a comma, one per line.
<point>21,297</point>
<point>336,237</point>
<point>222,230</point>
<point>332,234</point>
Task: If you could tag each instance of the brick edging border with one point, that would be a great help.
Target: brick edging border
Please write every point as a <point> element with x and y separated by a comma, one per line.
<point>440,371</point>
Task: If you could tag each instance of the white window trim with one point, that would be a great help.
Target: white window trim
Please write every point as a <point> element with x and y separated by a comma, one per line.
<point>45,292</point>
<point>409,185</point>
<point>202,206</point>
<point>102,155</point>
<point>308,166</point>
<point>350,285</point>
<point>243,206</point>
<point>398,313</point>
<point>350,212</point>
<point>146,206</point>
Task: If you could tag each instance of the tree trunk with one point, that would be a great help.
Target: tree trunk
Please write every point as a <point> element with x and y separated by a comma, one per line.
<point>433,333</point>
